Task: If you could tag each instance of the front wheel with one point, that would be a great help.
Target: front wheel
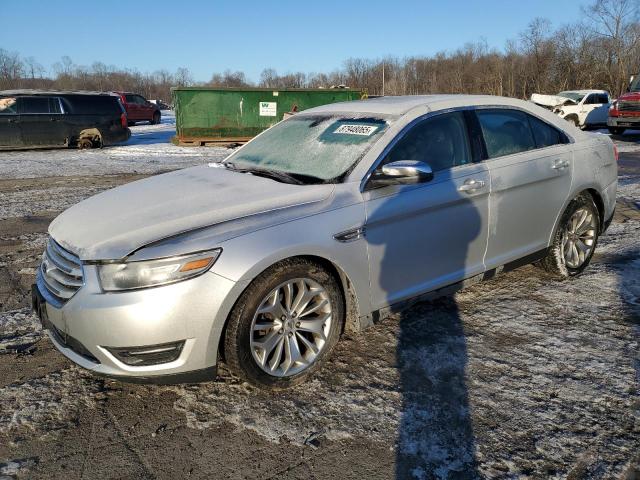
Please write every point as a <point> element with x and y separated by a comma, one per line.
<point>572,119</point>
<point>284,325</point>
<point>575,239</point>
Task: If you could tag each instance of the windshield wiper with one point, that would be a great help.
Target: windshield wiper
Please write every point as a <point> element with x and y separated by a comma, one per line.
<point>286,177</point>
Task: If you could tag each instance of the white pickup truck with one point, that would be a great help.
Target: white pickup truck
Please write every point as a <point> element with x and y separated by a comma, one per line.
<point>583,108</point>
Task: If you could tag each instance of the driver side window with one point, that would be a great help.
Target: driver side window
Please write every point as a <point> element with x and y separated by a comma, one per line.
<point>440,141</point>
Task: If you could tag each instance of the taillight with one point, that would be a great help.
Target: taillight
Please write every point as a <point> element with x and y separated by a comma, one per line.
<point>123,120</point>
<point>616,155</point>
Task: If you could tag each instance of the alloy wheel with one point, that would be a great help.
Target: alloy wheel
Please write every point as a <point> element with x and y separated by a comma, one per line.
<point>291,327</point>
<point>578,239</point>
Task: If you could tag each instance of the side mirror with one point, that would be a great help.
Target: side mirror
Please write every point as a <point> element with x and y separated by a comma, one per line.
<point>408,171</point>
<point>403,172</point>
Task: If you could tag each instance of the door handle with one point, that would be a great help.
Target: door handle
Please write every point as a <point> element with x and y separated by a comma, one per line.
<point>559,164</point>
<point>471,185</point>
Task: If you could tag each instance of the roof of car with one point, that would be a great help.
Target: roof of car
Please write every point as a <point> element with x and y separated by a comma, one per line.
<point>399,105</point>
<point>27,91</point>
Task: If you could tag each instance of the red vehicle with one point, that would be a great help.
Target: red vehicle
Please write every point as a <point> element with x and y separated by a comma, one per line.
<point>139,108</point>
<point>624,113</point>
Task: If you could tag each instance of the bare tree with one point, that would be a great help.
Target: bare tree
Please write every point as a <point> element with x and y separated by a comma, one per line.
<point>615,25</point>
<point>600,51</point>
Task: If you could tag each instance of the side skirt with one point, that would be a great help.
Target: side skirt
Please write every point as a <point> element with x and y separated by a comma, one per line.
<point>378,315</point>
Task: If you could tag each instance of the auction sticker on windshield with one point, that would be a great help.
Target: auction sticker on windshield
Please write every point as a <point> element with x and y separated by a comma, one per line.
<point>364,130</point>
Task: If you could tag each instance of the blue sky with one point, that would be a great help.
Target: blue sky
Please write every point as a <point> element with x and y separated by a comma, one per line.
<point>308,36</point>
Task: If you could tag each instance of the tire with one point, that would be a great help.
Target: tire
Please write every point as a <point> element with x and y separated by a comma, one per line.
<point>156,118</point>
<point>563,260</point>
<point>616,130</point>
<point>85,144</point>
<point>573,120</point>
<point>267,292</point>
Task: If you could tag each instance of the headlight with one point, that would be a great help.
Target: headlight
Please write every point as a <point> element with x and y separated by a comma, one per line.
<point>151,273</point>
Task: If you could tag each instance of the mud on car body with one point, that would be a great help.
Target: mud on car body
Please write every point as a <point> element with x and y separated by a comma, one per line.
<point>46,119</point>
<point>318,225</point>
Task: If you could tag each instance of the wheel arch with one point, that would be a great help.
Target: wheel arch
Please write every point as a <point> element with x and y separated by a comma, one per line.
<point>92,134</point>
<point>595,195</point>
<point>572,116</point>
<point>349,294</point>
<point>599,202</point>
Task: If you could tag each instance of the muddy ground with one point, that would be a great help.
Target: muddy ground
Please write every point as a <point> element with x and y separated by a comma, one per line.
<point>518,377</point>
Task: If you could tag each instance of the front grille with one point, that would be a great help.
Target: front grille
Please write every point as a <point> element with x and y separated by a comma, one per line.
<point>60,273</point>
<point>629,106</point>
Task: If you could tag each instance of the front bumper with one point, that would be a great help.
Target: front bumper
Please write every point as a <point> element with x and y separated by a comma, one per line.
<point>193,311</point>
<point>626,122</point>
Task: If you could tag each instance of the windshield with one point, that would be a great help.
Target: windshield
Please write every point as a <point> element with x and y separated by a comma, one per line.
<point>321,146</point>
<point>635,85</point>
<point>575,96</point>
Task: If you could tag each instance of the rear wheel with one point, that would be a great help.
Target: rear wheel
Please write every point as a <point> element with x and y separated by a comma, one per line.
<point>575,239</point>
<point>616,130</point>
<point>85,143</point>
<point>284,325</point>
<point>573,120</point>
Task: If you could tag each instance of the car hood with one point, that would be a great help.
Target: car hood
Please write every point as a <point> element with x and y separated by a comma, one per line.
<point>115,223</point>
<point>551,100</point>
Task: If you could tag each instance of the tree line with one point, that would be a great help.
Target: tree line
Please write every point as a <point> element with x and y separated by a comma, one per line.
<point>601,50</point>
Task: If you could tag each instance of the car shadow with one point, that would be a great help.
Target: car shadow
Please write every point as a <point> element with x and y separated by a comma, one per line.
<point>151,137</point>
<point>435,437</point>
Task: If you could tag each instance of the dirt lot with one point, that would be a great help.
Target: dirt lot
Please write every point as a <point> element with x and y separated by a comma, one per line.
<point>518,377</point>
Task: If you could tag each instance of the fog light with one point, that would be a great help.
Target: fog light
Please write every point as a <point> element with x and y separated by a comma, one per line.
<point>149,355</point>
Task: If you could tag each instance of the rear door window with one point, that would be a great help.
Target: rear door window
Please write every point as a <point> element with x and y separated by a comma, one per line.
<point>505,132</point>
<point>544,134</point>
<point>33,105</point>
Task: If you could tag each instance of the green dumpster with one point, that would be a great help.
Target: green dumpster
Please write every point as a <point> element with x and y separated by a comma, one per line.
<point>227,115</point>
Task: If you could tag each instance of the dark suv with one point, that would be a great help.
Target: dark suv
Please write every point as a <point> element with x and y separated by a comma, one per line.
<point>39,119</point>
<point>139,109</point>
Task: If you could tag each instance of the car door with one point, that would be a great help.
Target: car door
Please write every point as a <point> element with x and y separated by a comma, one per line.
<point>595,109</point>
<point>10,135</point>
<point>41,121</point>
<point>133,109</point>
<point>146,108</point>
<point>429,235</point>
<point>530,165</point>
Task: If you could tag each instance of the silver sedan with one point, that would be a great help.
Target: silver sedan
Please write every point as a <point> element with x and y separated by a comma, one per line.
<point>321,224</point>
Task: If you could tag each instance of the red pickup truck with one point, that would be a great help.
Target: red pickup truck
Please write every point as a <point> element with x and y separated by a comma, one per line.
<point>624,113</point>
<point>139,108</point>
